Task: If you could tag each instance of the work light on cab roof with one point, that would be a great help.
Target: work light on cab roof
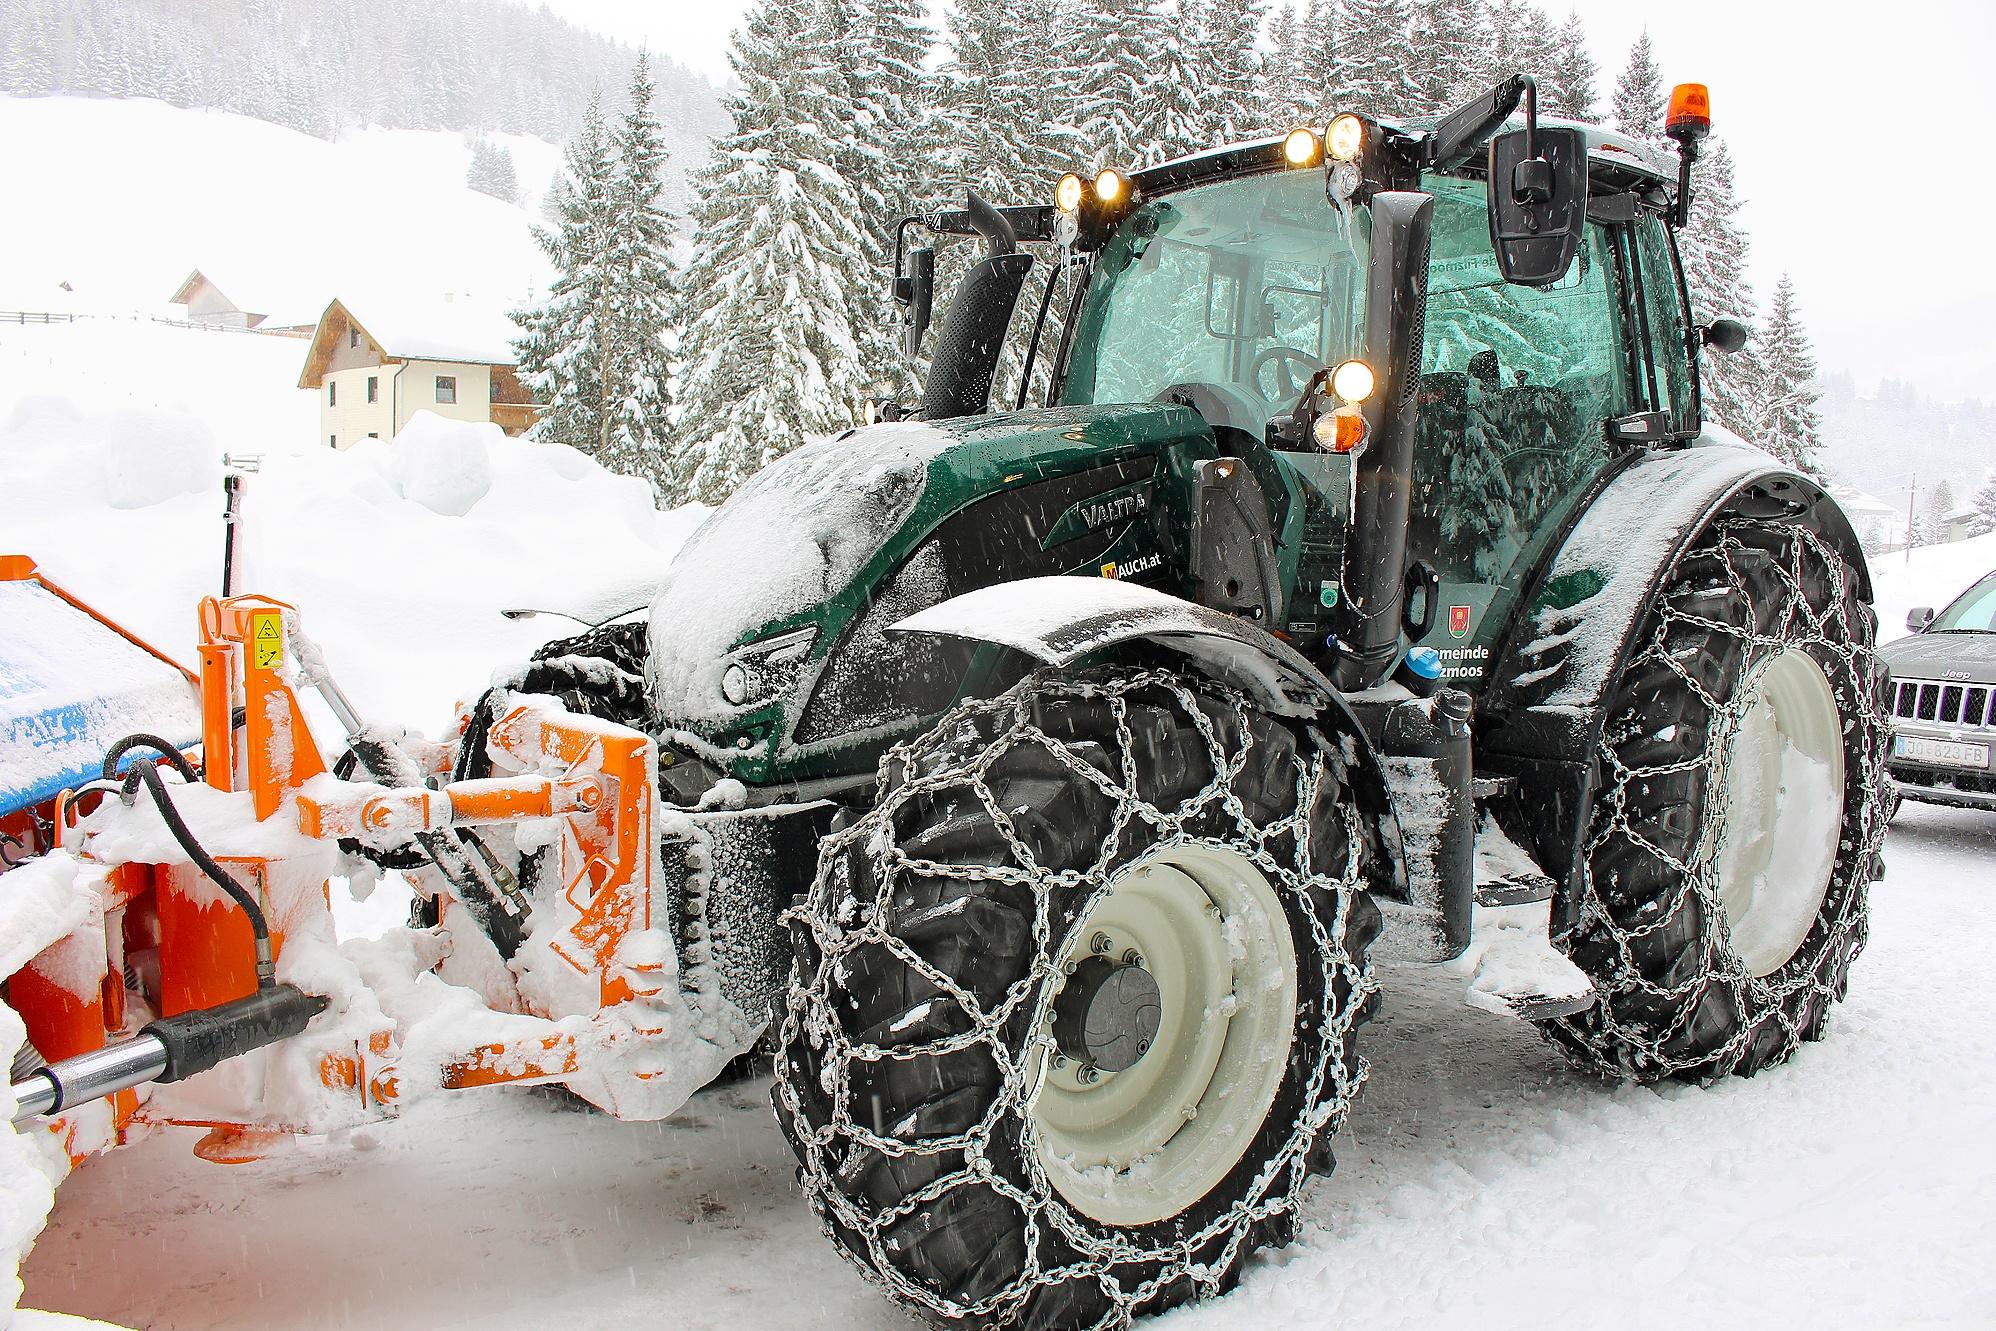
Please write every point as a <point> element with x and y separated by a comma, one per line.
<point>1345,138</point>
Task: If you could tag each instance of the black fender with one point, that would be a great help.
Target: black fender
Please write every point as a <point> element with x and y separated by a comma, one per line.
<point>1541,717</point>
<point>1060,620</point>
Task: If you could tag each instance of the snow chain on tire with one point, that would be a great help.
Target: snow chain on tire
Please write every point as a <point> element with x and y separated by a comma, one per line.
<point>1677,1000</point>
<point>928,950</point>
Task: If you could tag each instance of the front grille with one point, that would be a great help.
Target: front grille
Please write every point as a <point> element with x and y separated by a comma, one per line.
<point>1944,704</point>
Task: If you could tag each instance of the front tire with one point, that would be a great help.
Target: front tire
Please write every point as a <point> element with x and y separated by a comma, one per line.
<point>1072,1012</point>
<point>1722,891</point>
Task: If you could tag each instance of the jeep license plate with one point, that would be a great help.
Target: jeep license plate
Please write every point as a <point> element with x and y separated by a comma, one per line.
<point>1950,753</point>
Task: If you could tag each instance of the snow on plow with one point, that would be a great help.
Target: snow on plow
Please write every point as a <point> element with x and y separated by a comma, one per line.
<point>169,927</point>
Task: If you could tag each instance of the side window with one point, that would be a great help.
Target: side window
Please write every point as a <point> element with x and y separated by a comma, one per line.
<point>1516,384</point>
<point>1668,326</point>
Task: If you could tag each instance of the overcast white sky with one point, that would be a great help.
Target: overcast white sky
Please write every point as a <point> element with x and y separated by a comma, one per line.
<point>1857,130</point>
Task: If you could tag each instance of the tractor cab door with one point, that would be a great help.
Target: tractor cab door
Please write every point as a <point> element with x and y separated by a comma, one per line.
<point>1517,384</point>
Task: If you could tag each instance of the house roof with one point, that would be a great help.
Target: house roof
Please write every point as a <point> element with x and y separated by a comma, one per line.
<point>283,303</point>
<point>448,330</point>
<point>191,284</point>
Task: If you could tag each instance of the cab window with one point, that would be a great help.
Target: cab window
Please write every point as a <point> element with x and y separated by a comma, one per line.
<point>1665,324</point>
<point>1516,386</point>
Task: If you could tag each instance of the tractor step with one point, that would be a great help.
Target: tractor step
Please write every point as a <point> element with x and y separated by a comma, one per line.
<point>1513,968</point>
<point>1505,874</point>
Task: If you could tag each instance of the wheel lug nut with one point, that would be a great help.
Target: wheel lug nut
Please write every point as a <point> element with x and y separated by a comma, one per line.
<point>1088,1075</point>
<point>1133,958</point>
<point>1100,944</point>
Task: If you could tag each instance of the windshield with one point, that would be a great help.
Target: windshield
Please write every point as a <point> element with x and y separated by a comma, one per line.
<point>1973,611</point>
<point>1244,287</point>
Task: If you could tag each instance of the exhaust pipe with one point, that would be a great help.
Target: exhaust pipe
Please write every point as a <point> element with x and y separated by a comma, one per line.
<point>168,1050</point>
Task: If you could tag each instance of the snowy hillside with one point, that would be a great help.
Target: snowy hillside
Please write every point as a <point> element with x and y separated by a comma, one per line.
<point>1882,442</point>
<point>282,221</point>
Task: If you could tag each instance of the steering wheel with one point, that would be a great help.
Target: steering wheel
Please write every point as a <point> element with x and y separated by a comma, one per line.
<point>1288,362</point>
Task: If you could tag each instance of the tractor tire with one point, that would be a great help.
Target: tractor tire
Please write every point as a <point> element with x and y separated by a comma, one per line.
<point>1072,1011</point>
<point>1741,801</point>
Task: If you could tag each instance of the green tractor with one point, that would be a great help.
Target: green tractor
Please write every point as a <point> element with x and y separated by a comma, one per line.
<point>1039,781</point>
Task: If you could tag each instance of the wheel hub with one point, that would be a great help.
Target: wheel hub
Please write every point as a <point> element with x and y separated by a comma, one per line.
<point>1108,1014</point>
<point>1166,1036</point>
<point>1774,842</point>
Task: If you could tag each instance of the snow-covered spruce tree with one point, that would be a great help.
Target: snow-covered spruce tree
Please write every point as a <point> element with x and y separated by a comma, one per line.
<point>643,299</point>
<point>1286,82</point>
<point>1714,248</point>
<point>895,129</point>
<point>560,361</point>
<point>1373,58</point>
<point>1234,104</point>
<point>1569,84</point>
<point>1171,110</point>
<point>1523,41</point>
<point>1786,423</point>
<point>1316,77</point>
<point>1935,511</point>
<point>1118,46</point>
<point>1447,44</point>
<point>595,353</point>
<point>1637,106</point>
<point>491,171</point>
<point>769,353</point>
<point>1983,506</point>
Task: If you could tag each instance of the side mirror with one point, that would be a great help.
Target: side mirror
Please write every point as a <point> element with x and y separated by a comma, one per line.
<point>1538,203</point>
<point>1920,618</point>
<point>1727,335</point>
<point>915,293</point>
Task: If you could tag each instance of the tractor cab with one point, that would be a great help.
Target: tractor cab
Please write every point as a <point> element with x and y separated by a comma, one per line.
<point>1425,377</point>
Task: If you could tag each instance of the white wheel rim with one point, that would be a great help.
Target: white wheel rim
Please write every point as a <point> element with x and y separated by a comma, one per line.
<point>1783,783</point>
<point>1144,1144</point>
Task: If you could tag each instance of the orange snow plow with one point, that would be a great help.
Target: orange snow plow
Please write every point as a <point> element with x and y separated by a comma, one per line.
<point>170,948</point>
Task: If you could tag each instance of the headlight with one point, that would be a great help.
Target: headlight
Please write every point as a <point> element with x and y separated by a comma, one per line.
<point>762,670</point>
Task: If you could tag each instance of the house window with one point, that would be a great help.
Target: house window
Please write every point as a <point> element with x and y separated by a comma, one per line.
<point>447,388</point>
<point>373,389</point>
<point>332,395</point>
<point>492,395</point>
<point>374,434</point>
<point>353,337</point>
<point>332,441</point>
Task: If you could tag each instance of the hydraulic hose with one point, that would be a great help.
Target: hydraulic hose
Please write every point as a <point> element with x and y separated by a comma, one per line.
<point>142,740</point>
<point>147,775</point>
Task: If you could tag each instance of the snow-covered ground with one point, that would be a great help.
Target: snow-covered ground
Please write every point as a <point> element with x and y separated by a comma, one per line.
<point>1481,1185</point>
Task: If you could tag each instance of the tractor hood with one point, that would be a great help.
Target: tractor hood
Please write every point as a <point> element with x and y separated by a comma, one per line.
<point>783,545</point>
<point>773,577</point>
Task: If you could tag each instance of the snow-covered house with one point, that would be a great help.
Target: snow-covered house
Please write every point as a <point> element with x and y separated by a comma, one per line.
<point>1880,527</point>
<point>375,369</point>
<point>202,301</point>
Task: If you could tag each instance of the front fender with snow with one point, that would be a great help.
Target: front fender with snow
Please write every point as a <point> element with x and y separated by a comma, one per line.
<point>1060,620</point>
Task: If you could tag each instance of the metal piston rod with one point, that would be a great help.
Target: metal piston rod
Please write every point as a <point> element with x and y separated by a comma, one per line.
<point>169,1049</point>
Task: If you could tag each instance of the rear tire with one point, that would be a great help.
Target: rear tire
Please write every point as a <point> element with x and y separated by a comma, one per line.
<point>1722,889</point>
<point>938,958</point>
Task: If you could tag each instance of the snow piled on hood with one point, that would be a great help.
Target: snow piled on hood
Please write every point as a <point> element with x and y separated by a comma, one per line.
<point>789,539</point>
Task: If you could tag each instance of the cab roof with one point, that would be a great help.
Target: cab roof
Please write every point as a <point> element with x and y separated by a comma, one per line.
<point>1624,155</point>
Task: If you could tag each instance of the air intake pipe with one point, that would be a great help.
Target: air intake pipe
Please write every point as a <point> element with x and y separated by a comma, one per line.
<point>973,330</point>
